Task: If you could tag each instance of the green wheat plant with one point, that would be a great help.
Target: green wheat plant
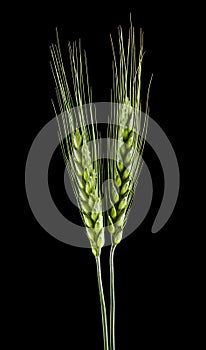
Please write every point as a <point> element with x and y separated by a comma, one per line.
<point>85,174</point>
<point>127,129</point>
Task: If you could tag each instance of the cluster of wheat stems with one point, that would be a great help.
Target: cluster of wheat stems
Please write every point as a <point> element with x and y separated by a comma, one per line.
<point>127,130</point>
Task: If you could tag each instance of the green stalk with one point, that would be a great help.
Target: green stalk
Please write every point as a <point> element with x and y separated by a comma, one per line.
<point>112,299</point>
<point>102,303</point>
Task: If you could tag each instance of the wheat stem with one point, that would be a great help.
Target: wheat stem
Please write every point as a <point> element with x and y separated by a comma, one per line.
<point>102,303</point>
<point>112,299</point>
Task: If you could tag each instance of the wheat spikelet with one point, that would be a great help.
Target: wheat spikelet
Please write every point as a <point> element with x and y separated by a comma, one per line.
<point>128,132</point>
<point>78,144</point>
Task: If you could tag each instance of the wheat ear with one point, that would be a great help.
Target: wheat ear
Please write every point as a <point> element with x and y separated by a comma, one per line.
<point>78,145</point>
<point>128,131</point>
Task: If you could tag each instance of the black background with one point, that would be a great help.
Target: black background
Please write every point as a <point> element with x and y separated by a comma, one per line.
<point>58,289</point>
